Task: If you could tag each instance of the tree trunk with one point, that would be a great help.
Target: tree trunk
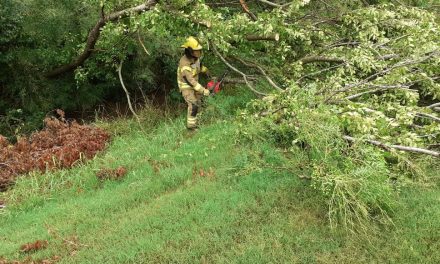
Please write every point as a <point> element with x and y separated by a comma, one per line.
<point>94,36</point>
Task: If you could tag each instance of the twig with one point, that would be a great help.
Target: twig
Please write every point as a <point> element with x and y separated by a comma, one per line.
<point>398,147</point>
<point>237,71</point>
<point>126,91</point>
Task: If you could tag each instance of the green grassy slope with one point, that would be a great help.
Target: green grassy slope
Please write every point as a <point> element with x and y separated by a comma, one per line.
<point>201,198</point>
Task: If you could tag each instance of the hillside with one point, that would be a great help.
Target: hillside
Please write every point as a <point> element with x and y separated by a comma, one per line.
<point>201,198</point>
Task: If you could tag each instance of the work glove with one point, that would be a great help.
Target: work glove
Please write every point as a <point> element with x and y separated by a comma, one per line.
<point>206,92</point>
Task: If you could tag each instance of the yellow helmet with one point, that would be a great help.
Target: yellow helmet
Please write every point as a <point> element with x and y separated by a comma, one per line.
<point>192,43</point>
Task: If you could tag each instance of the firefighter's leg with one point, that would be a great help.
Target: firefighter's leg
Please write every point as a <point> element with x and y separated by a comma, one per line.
<point>193,108</point>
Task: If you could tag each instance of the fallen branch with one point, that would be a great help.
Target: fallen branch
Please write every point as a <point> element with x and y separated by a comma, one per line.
<point>94,36</point>
<point>262,72</point>
<point>126,91</point>
<point>272,37</point>
<point>245,77</point>
<point>247,10</point>
<point>398,147</point>
<point>433,105</point>
<point>428,116</point>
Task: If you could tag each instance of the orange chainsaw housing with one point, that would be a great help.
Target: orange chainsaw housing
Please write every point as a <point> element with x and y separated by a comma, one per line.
<point>213,86</point>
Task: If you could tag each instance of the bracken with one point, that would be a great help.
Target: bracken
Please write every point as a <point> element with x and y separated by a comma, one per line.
<point>59,145</point>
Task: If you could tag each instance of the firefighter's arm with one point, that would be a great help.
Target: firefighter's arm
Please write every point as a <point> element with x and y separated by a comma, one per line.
<point>205,70</point>
<point>188,76</point>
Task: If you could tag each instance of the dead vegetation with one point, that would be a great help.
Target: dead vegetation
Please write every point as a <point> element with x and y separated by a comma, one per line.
<point>60,144</point>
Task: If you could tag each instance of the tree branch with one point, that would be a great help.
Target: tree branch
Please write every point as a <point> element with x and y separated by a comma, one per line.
<point>126,92</point>
<point>142,44</point>
<point>246,9</point>
<point>433,105</point>
<point>398,147</point>
<point>237,71</point>
<point>428,116</point>
<point>94,36</point>
<point>262,72</point>
<point>272,37</point>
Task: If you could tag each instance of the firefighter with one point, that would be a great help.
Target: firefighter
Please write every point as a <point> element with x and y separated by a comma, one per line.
<point>188,80</point>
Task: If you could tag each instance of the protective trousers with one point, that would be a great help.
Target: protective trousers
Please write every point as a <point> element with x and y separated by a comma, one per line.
<point>193,99</point>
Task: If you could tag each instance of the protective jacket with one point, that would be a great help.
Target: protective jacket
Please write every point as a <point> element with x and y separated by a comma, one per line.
<point>188,74</point>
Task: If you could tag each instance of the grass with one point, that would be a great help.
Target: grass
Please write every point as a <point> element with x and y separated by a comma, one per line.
<point>200,198</point>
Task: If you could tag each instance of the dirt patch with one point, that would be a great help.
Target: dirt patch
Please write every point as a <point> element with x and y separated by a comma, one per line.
<point>111,174</point>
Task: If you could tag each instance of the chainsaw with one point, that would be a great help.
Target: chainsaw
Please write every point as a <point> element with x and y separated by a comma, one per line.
<point>216,86</point>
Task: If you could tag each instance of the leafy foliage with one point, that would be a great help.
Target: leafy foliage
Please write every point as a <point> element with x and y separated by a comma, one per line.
<point>353,178</point>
